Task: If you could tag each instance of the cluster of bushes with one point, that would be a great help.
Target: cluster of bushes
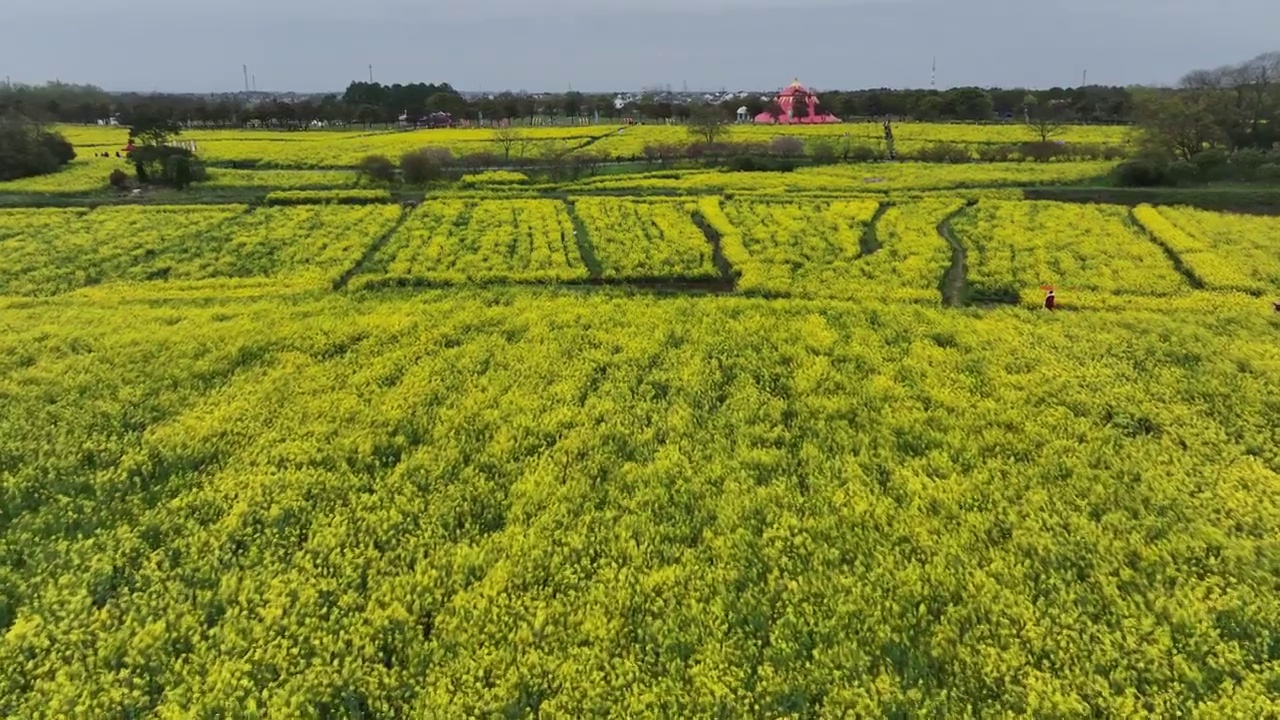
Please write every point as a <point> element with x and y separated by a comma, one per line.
<point>1214,165</point>
<point>433,164</point>
<point>28,149</point>
<point>165,165</point>
<point>419,167</point>
<point>328,197</point>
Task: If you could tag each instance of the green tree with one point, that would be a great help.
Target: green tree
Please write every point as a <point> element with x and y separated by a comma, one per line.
<point>28,149</point>
<point>1176,124</point>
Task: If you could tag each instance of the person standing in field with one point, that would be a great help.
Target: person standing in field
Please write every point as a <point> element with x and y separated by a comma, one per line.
<point>1050,301</point>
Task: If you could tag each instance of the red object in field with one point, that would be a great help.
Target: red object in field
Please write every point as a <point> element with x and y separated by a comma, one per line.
<point>799,106</point>
<point>1050,301</point>
<point>130,147</point>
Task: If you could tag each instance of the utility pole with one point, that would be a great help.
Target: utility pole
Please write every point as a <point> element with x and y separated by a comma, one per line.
<point>246,77</point>
<point>370,74</point>
<point>255,83</point>
<point>933,76</point>
<point>1085,81</point>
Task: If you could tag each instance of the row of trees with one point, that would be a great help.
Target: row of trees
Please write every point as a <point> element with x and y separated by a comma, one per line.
<point>1217,124</point>
<point>369,103</point>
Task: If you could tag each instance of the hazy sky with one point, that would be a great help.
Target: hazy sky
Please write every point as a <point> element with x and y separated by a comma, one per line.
<point>320,45</point>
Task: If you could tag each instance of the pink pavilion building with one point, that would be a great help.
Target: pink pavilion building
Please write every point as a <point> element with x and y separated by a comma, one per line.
<point>799,107</point>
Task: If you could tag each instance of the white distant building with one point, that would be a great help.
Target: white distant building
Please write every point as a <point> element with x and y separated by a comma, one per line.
<point>744,115</point>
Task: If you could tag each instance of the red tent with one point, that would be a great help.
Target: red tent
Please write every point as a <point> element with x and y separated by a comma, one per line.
<point>799,106</point>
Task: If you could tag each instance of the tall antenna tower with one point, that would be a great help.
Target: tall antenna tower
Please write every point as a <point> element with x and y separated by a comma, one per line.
<point>370,74</point>
<point>246,77</point>
<point>1084,82</point>
<point>255,83</point>
<point>933,76</point>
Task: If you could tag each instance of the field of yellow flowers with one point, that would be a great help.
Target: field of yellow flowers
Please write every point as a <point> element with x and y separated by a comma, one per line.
<point>1016,245</point>
<point>886,246</point>
<point>677,444</point>
<point>483,502</point>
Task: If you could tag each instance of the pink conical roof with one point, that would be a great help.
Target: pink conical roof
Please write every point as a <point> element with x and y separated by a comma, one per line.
<point>795,88</point>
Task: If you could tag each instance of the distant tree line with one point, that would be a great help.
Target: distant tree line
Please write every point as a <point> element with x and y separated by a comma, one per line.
<point>368,104</point>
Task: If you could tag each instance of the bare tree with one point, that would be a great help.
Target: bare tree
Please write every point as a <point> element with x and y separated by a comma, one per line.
<point>706,123</point>
<point>507,138</point>
<point>527,143</point>
<point>554,154</point>
<point>1046,120</point>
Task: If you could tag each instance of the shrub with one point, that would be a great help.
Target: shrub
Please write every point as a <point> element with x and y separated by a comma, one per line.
<point>1246,161</point>
<point>862,153</point>
<point>787,146</point>
<point>119,179</point>
<point>1212,164</point>
<point>823,152</point>
<point>377,168</point>
<point>748,163</point>
<point>1269,172</point>
<point>166,165</point>
<point>1139,173</point>
<point>481,159</point>
<point>1114,152</point>
<point>178,170</point>
<point>27,149</point>
<point>419,167</point>
<point>941,153</point>
<point>1043,151</point>
<point>1181,172</point>
<point>58,147</point>
<point>998,153</point>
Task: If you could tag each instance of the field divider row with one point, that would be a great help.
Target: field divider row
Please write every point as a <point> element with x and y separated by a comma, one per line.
<point>370,252</point>
<point>869,243</point>
<point>955,283</point>
<point>727,274</point>
<point>1178,264</point>
<point>586,249</point>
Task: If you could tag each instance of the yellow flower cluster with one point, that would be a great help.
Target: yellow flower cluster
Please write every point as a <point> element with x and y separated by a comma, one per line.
<point>325,197</point>
<point>856,178</point>
<point>908,137</point>
<point>477,503</point>
<point>331,148</point>
<point>636,239</point>
<point>1224,251</point>
<point>109,244</point>
<point>455,241</point>
<point>278,179</point>
<point>899,257</point>
<point>1014,247</point>
<point>795,248</point>
<point>69,249</point>
<point>79,176</point>
<point>307,244</point>
<point>494,177</point>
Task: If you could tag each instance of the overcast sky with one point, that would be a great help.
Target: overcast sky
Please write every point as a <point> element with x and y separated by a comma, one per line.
<point>321,45</point>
